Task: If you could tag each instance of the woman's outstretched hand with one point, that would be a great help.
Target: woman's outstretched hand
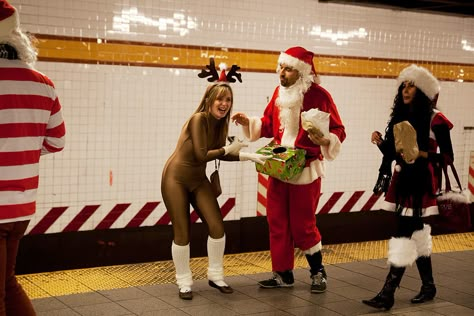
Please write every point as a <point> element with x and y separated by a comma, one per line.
<point>240,118</point>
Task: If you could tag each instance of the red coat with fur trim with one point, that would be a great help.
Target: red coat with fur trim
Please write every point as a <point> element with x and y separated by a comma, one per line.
<point>315,98</point>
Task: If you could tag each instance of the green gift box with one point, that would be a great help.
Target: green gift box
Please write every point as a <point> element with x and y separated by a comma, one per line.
<point>285,162</point>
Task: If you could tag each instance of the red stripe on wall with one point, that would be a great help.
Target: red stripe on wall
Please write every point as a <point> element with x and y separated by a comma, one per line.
<point>227,207</point>
<point>371,202</point>
<point>108,220</point>
<point>143,214</point>
<point>352,201</point>
<point>262,180</point>
<point>45,223</point>
<point>164,220</point>
<point>81,218</point>
<point>330,203</point>
<point>262,199</point>
<point>471,172</point>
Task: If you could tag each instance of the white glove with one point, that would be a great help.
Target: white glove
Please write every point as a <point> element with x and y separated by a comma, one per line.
<point>257,158</point>
<point>234,147</point>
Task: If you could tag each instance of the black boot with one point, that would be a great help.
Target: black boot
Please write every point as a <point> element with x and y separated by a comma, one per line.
<point>428,289</point>
<point>385,298</point>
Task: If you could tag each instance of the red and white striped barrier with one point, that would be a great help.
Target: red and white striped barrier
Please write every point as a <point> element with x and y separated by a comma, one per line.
<point>329,203</point>
<point>103,216</point>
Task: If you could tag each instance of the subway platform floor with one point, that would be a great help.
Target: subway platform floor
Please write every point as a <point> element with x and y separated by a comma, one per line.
<point>356,271</point>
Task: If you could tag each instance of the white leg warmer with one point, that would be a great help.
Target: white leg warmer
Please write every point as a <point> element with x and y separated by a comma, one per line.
<point>401,252</point>
<point>311,251</point>
<point>423,241</point>
<point>215,252</point>
<point>184,277</point>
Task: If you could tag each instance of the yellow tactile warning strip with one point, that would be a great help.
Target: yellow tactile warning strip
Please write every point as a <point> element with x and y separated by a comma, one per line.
<point>112,277</point>
<point>113,52</point>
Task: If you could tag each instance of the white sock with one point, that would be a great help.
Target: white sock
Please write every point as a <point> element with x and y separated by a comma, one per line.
<point>184,277</point>
<point>215,252</point>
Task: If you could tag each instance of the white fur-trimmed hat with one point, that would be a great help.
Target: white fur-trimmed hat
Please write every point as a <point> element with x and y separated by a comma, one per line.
<point>9,18</point>
<point>300,59</point>
<point>421,78</point>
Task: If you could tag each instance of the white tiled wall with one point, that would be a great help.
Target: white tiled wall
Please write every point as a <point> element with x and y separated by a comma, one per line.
<point>124,121</point>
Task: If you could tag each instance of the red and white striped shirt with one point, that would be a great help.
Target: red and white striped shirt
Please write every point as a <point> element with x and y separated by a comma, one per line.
<point>31,125</point>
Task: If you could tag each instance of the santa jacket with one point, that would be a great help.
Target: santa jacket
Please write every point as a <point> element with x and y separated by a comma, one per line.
<point>31,124</point>
<point>269,126</point>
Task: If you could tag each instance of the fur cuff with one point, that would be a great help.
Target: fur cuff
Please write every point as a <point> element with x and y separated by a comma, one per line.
<point>330,152</point>
<point>254,130</point>
<point>401,252</point>
<point>423,241</point>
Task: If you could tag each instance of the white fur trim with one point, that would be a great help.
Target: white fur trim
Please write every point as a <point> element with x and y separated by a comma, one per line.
<point>423,241</point>
<point>301,66</point>
<point>459,197</point>
<point>9,24</point>
<point>311,251</point>
<point>422,78</point>
<point>401,252</point>
<point>428,211</point>
<point>254,130</point>
<point>304,69</point>
<point>314,171</point>
<point>331,151</point>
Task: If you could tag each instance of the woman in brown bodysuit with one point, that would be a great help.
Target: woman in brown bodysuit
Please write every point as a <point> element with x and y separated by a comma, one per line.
<point>184,182</point>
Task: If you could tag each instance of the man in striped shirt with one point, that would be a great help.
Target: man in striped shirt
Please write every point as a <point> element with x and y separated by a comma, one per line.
<point>31,125</point>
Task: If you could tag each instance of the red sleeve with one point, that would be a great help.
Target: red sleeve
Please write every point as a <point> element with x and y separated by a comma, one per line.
<point>268,117</point>
<point>440,119</point>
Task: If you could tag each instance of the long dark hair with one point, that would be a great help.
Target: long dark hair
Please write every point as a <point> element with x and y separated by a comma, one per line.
<point>213,92</point>
<point>413,179</point>
<point>418,113</point>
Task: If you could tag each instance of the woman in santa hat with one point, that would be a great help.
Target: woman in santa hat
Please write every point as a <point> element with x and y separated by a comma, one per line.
<point>413,187</point>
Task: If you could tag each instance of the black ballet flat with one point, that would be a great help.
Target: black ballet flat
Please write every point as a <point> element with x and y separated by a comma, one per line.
<point>186,295</point>
<point>222,289</point>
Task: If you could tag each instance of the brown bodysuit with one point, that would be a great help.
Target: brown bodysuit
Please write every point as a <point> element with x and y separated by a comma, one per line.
<point>184,180</point>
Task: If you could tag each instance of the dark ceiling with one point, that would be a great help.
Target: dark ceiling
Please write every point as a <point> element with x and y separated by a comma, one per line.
<point>463,8</point>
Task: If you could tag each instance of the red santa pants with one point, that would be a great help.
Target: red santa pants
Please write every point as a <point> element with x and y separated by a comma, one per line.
<point>291,220</point>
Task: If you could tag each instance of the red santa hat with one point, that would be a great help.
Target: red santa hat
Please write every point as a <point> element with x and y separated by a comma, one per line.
<point>300,59</point>
<point>9,19</point>
<point>422,79</point>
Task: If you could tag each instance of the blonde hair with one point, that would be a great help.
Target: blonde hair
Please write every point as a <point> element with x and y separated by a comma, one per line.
<point>213,92</point>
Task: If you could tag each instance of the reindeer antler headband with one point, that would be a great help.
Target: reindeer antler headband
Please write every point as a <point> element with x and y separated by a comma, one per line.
<point>214,75</point>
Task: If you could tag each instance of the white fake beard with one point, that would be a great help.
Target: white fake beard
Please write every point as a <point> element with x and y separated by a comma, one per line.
<point>290,102</point>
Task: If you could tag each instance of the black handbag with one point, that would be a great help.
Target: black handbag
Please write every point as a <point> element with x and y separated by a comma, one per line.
<point>215,180</point>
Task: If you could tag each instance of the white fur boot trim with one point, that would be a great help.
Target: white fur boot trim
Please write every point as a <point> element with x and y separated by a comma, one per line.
<point>215,252</point>
<point>180,254</point>
<point>423,241</point>
<point>401,252</point>
<point>311,251</point>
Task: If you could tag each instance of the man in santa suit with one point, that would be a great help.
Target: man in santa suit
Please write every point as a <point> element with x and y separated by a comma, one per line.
<point>291,205</point>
